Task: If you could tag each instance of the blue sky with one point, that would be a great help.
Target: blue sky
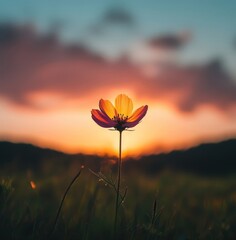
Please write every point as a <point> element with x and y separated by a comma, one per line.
<point>212,23</point>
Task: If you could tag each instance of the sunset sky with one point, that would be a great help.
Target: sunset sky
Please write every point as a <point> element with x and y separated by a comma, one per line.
<point>59,58</point>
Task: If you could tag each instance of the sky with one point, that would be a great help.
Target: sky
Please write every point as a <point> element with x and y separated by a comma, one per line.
<point>59,58</point>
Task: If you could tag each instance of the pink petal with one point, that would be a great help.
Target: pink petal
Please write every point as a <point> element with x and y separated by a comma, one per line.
<point>136,117</point>
<point>138,114</point>
<point>101,119</point>
<point>131,124</point>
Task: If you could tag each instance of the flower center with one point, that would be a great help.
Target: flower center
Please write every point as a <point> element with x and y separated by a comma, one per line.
<point>120,118</point>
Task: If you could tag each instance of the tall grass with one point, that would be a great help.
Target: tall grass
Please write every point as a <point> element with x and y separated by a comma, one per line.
<point>167,206</point>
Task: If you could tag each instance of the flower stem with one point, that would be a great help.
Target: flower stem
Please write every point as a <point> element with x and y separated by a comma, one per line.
<point>118,184</point>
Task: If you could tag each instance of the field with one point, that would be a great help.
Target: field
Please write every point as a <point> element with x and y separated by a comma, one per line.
<point>168,205</point>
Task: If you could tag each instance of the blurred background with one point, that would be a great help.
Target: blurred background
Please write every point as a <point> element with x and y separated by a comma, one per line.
<point>57,59</point>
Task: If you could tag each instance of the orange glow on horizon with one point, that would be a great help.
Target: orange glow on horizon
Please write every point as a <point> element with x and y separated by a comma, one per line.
<point>73,130</point>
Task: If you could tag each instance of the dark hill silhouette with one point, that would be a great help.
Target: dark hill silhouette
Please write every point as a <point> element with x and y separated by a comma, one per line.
<point>25,156</point>
<point>206,159</point>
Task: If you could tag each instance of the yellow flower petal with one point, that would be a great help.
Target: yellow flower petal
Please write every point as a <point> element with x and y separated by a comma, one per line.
<point>124,105</point>
<point>107,108</point>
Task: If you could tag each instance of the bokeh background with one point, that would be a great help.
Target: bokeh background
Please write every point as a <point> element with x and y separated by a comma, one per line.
<point>58,58</point>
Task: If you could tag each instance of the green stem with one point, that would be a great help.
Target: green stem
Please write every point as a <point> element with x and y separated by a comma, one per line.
<point>118,184</point>
<point>63,198</point>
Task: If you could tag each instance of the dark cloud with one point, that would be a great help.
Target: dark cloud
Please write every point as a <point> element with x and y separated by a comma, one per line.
<point>10,33</point>
<point>191,87</point>
<point>31,63</point>
<point>118,16</point>
<point>170,41</point>
<point>115,16</point>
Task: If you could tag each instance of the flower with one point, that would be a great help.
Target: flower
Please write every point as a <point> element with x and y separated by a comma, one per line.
<point>120,117</point>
